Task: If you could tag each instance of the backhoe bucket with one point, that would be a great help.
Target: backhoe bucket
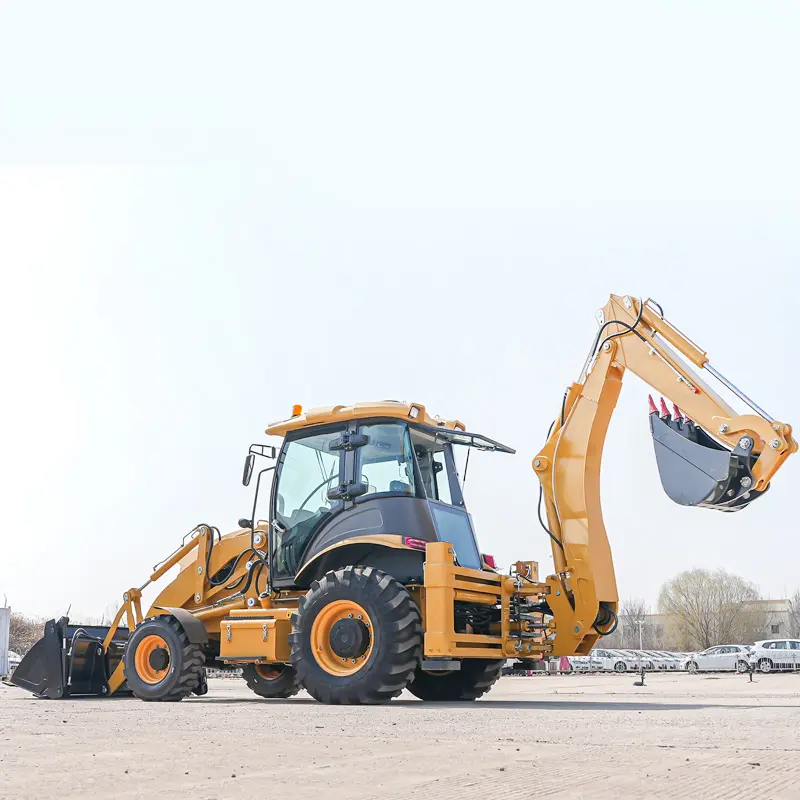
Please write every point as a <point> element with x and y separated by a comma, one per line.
<point>695,469</point>
<point>69,660</point>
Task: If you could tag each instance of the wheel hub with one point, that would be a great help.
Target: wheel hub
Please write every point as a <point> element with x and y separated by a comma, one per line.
<point>349,638</point>
<point>159,659</point>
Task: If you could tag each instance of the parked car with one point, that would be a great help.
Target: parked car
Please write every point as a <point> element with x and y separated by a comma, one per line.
<point>720,658</point>
<point>581,663</point>
<point>775,654</point>
<point>672,660</point>
<point>13,662</point>
<point>616,660</point>
<point>641,659</point>
<point>657,659</point>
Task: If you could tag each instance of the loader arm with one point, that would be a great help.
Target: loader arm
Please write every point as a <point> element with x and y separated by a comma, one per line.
<point>733,456</point>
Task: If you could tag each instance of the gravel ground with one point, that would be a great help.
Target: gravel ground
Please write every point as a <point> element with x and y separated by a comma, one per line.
<point>713,736</point>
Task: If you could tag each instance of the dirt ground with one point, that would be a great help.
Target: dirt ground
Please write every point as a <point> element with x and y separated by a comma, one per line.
<point>713,736</point>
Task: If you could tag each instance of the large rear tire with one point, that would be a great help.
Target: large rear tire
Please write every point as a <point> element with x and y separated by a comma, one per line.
<point>474,679</point>
<point>271,680</point>
<point>160,663</point>
<point>356,638</point>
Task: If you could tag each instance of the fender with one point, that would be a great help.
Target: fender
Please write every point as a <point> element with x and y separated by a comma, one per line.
<point>317,565</point>
<point>193,627</point>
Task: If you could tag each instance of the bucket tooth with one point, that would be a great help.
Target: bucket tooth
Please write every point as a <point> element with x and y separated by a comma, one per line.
<point>665,411</point>
<point>652,404</point>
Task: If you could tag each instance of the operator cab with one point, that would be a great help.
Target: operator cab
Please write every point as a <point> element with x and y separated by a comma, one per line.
<point>369,483</point>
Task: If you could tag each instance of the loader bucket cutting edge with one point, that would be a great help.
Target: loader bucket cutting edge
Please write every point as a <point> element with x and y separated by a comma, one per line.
<point>69,660</point>
<point>696,470</point>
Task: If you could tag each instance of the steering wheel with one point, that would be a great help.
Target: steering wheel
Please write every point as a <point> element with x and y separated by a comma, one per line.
<point>316,489</point>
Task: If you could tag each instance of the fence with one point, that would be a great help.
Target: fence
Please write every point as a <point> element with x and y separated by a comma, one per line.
<point>5,627</point>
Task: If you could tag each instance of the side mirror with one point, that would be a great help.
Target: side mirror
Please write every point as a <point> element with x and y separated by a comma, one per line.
<point>264,450</point>
<point>245,523</point>
<point>248,469</point>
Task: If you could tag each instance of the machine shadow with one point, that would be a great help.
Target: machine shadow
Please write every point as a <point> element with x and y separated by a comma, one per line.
<point>483,706</point>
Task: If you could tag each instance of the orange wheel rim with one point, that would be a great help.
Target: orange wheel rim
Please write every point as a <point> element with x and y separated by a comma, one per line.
<point>321,637</point>
<point>268,672</point>
<point>144,669</point>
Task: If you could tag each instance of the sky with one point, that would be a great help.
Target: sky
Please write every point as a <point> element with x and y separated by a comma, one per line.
<point>208,216</point>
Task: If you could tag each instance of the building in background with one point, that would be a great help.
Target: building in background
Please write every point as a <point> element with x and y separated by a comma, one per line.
<point>5,630</point>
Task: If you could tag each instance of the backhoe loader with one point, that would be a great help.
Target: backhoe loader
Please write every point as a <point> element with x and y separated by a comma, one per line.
<point>367,579</point>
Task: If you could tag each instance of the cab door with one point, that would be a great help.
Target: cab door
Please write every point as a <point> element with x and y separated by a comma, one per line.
<point>309,468</point>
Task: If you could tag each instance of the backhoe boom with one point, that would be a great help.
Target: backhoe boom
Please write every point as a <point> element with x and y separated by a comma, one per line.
<point>708,455</point>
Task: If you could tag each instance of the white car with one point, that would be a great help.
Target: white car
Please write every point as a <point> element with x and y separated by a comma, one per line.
<point>775,654</point>
<point>672,660</point>
<point>613,660</point>
<point>719,659</point>
<point>657,659</point>
<point>580,664</point>
<point>640,659</point>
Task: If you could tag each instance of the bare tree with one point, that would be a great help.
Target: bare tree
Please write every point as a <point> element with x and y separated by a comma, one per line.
<point>708,607</point>
<point>626,636</point>
<point>24,632</point>
<point>794,615</point>
<point>634,612</point>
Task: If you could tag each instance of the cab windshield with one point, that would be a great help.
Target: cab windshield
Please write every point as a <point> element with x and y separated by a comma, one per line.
<point>308,469</point>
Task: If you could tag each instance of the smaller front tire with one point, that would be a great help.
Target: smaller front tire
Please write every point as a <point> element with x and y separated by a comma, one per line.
<point>160,663</point>
<point>271,680</point>
<point>474,679</point>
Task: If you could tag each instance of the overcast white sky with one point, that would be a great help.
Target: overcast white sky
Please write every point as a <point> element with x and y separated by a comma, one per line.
<point>209,213</point>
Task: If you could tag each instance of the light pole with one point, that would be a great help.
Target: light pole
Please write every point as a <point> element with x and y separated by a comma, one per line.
<point>640,623</point>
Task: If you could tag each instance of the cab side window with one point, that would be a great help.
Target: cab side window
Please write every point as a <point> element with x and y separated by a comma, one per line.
<point>386,462</point>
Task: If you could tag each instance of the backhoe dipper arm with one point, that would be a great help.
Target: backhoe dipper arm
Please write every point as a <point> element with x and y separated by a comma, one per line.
<point>707,456</point>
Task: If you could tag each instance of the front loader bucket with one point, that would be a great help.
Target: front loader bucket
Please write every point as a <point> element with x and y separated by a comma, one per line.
<point>69,660</point>
<point>695,469</point>
<point>41,671</point>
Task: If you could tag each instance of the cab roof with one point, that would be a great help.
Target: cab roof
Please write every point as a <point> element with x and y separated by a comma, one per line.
<point>412,412</point>
<point>451,430</point>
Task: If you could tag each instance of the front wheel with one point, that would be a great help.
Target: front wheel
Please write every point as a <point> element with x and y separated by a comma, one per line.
<point>620,666</point>
<point>691,667</point>
<point>271,680</point>
<point>356,637</point>
<point>742,667</point>
<point>765,665</point>
<point>475,678</point>
<point>160,663</point>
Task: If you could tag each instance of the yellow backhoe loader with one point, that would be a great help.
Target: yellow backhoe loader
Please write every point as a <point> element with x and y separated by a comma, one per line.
<point>367,578</point>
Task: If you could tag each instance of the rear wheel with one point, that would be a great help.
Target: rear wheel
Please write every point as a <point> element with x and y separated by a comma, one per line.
<point>160,663</point>
<point>271,680</point>
<point>475,678</point>
<point>356,637</point>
